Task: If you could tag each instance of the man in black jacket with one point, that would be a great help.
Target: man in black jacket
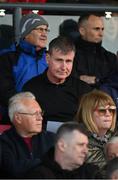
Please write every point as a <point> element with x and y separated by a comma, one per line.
<point>66,160</point>
<point>56,90</point>
<point>25,143</point>
<point>93,64</point>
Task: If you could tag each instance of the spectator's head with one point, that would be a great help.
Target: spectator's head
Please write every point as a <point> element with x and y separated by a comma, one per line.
<point>91,27</point>
<point>60,59</point>
<point>25,114</point>
<point>112,169</point>
<point>6,36</point>
<point>97,111</point>
<point>69,27</point>
<point>34,29</point>
<point>111,148</point>
<point>71,146</point>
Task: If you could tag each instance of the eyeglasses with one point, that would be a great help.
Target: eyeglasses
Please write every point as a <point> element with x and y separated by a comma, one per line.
<point>33,114</point>
<point>102,111</point>
<point>41,30</point>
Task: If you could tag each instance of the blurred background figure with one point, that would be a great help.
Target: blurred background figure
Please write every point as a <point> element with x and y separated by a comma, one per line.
<point>6,36</point>
<point>40,12</point>
<point>69,27</point>
<point>112,169</point>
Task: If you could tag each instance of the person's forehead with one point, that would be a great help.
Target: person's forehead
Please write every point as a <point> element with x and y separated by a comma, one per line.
<point>95,20</point>
<point>80,136</point>
<point>112,146</point>
<point>29,103</point>
<point>42,26</point>
<point>58,51</point>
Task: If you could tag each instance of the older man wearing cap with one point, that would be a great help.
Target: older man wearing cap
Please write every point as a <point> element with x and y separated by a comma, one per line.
<point>27,59</point>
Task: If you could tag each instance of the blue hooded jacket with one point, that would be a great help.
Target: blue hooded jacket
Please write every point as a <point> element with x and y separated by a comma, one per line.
<point>17,66</point>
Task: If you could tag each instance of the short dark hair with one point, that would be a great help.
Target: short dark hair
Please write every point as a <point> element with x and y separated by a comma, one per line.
<point>68,26</point>
<point>69,127</point>
<point>63,43</point>
<point>85,17</point>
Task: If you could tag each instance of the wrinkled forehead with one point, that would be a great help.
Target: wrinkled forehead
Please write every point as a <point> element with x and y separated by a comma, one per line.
<point>30,103</point>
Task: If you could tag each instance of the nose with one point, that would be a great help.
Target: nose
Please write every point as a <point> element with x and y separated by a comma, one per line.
<point>108,112</point>
<point>85,149</point>
<point>39,117</point>
<point>63,64</point>
<point>116,154</point>
<point>101,32</point>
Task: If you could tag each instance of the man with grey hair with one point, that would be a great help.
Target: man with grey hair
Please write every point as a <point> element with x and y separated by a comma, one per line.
<point>25,143</point>
<point>111,148</point>
<point>26,59</point>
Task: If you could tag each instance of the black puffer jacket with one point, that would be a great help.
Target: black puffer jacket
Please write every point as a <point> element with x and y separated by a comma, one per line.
<point>93,60</point>
<point>50,169</point>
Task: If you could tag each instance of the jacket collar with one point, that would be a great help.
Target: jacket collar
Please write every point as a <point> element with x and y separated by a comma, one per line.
<point>30,49</point>
<point>88,45</point>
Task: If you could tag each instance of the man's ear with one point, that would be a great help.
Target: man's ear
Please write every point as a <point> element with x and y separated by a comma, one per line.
<point>62,145</point>
<point>17,118</point>
<point>82,31</point>
<point>47,57</point>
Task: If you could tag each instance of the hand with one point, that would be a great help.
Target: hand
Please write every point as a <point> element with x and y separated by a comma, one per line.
<point>88,79</point>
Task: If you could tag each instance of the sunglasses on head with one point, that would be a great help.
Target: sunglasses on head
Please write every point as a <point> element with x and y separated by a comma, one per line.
<point>103,111</point>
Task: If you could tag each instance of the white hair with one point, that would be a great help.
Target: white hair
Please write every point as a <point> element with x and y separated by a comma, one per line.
<point>15,103</point>
<point>114,139</point>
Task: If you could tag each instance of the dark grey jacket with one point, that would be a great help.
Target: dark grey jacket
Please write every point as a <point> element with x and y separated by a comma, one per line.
<point>17,159</point>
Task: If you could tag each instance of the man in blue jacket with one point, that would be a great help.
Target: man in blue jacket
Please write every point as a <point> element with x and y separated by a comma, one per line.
<point>26,60</point>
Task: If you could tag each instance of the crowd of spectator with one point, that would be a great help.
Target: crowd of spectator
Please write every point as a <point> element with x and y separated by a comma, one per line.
<point>61,85</point>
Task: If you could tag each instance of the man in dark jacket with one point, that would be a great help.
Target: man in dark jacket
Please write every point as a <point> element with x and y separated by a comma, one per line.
<point>25,60</point>
<point>66,160</point>
<point>25,143</point>
<point>57,92</point>
<point>93,64</point>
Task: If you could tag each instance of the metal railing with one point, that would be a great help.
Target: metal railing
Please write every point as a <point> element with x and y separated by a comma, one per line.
<point>61,7</point>
<point>50,7</point>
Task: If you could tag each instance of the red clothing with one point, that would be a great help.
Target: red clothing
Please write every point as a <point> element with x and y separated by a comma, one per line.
<point>28,141</point>
<point>29,1</point>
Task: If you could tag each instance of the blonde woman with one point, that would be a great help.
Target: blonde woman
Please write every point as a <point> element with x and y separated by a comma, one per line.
<point>97,111</point>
